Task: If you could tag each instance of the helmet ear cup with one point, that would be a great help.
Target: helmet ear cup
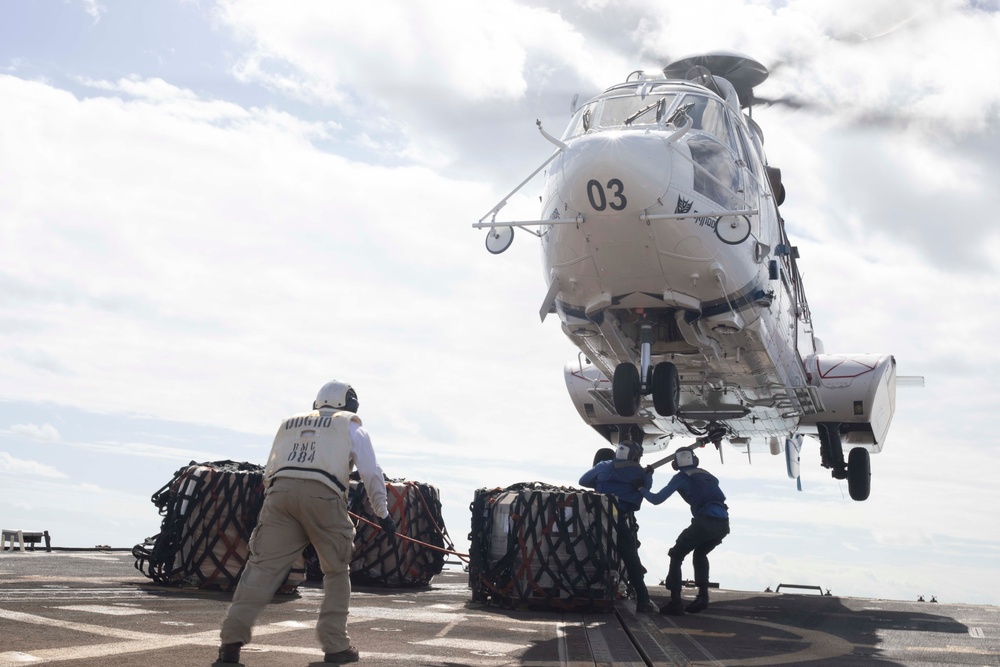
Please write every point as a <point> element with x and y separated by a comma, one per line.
<point>351,403</point>
<point>684,458</point>
<point>628,451</point>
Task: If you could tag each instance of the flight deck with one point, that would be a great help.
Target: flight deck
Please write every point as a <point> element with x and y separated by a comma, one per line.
<point>93,607</point>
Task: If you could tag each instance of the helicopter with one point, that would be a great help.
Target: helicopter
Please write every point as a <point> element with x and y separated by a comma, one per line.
<point>668,264</point>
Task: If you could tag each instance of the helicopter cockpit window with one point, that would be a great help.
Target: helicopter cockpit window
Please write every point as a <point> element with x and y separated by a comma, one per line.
<point>623,111</point>
<point>709,115</point>
<point>582,121</point>
<point>718,161</point>
<point>633,110</point>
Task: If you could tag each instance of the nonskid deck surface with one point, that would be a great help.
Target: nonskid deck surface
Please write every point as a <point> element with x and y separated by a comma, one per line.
<point>94,608</point>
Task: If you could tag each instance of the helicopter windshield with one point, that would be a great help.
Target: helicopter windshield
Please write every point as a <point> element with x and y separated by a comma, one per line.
<point>709,116</point>
<point>621,111</point>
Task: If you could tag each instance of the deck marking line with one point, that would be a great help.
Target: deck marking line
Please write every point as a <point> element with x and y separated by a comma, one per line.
<point>694,642</point>
<point>446,629</point>
<point>662,642</point>
<point>88,628</point>
<point>109,611</point>
<point>472,645</point>
<point>412,615</point>
<point>134,642</point>
<point>820,645</point>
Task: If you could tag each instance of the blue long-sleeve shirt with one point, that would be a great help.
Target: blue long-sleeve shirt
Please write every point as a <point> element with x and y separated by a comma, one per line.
<point>618,478</point>
<point>699,488</point>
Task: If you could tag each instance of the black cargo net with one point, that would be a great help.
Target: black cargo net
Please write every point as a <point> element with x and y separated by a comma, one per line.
<point>416,509</point>
<point>539,546</point>
<point>209,511</point>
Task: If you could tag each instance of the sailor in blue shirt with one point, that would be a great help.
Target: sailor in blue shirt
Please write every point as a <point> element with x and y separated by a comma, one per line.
<point>623,478</point>
<point>709,525</point>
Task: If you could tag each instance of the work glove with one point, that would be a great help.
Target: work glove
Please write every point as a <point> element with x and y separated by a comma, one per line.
<point>638,484</point>
<point>388,527</point>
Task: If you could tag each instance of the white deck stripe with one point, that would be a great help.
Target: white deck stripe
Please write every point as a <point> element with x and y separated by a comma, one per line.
<point>472,645</point>
<point>133,642</point>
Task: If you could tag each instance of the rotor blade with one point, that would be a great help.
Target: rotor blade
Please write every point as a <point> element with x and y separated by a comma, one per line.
<point>790,102</point>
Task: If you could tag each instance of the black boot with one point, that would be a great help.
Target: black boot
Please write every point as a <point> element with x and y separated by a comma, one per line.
<point>675,607</point>
<point>349,654</point>
<point>229,654</point>
<point>700,603</point>
<point>643,605</point>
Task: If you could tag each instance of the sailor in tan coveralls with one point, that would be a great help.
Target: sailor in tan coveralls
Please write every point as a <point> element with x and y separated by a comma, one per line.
<point>306,478</point>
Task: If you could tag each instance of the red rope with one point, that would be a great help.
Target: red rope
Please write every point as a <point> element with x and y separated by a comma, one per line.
<point>410,539</point>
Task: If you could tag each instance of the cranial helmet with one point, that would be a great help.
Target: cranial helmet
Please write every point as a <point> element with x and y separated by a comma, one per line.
<point>336,395</point>
<point>628,451</point>
<point>684,458</point>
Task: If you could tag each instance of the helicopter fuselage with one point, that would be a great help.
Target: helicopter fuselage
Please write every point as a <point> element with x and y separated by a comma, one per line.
<point>679,231</point>
<point>667,262</point>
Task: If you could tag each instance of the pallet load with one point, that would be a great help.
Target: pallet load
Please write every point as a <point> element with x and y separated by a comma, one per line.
<point>539,546</point>
<point>416,509</point>
<point>209,511</point>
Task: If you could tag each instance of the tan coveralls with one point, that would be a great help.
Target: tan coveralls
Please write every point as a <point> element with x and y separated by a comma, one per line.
<point>306,501</point>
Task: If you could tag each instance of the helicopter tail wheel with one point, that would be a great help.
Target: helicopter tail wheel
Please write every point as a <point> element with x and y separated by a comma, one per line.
<point>666,389</point>
<point>859,473</point>
<point>626,389</point>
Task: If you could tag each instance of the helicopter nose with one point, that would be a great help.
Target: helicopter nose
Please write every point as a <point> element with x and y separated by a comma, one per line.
<point>611,172</point>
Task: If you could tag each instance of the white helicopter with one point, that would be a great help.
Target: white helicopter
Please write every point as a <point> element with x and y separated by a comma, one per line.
<point>667,262</point>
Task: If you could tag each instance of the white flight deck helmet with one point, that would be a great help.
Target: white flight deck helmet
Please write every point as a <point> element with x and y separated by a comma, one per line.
<point>628,450</point>
<point>336,395</point>
<point>684,458</point>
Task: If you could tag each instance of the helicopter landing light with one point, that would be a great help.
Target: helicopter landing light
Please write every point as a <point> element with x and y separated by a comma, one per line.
<point>733,231</point>
<point>499,239</point>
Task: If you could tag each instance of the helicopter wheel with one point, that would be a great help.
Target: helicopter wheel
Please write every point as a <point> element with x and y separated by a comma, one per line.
<point>859,473</point>
<point>626,389</point>
<point>666,389</point>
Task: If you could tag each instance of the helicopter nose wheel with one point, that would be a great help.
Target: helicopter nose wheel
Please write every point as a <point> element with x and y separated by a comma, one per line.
<point>626,389</point>
<point>859,473</point>
<point>666,389</point>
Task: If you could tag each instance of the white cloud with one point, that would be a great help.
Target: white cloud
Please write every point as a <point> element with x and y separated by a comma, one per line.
<point>16,466</point>
<point>460,51</point>
<point>430,75</point>
<point>43,433</point>
<point>903,539</point>
<point>93,8</point>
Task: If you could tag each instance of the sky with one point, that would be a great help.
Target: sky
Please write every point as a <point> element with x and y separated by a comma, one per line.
<point>208,209</point>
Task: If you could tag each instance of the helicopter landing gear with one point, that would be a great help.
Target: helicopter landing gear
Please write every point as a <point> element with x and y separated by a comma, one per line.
<point>626,389</point>
<point>856,470</point>
<point>859,473</point>
<point>666,389</point>
<point>630,384</point>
